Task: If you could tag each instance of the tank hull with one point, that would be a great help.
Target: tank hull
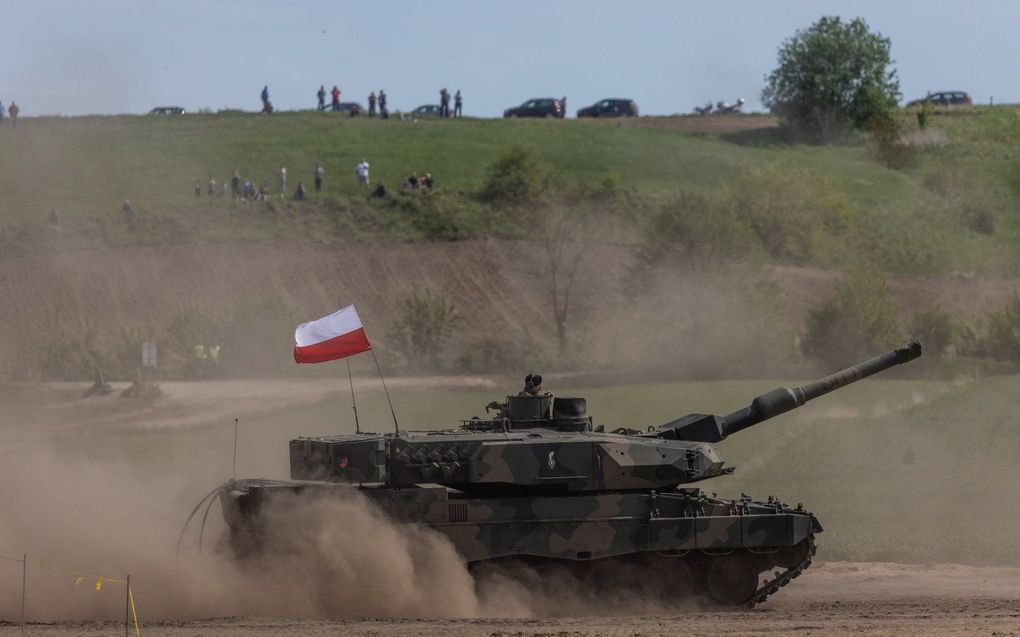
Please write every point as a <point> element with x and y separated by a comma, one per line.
<point>682,531</point>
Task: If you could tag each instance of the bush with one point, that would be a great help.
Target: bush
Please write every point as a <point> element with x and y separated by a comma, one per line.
<point>890,149</point>
<point>936,330</point>
<point>793,211</point>
<point>419,336</point>
<point>693,232</point>
<point>859,320</point>
<point>516,177</point>
<point>192,327</point>
<point>977,217</point>
<point>1003,339</point>
<point>924,113</point>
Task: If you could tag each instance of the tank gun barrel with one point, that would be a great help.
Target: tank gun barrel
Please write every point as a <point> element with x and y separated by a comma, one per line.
<point>781,400</point>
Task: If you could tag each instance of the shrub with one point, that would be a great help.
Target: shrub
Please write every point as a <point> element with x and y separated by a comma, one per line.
<point>192,327</point>
<point>1003,339</point>
<point>419,336</point>
<point>936,330</point>
<point>693,232</point>
<point>858,320</point>
<point>793,211</point>
<point>890,148</point>
<point>924,113</point>
<point>516,177</point>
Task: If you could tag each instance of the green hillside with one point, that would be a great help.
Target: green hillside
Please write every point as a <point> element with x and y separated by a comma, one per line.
<point>955,207</point>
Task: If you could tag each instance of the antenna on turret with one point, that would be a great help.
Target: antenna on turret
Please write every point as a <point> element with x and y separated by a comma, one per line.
<point>234,471</point>
<point>396,427</point>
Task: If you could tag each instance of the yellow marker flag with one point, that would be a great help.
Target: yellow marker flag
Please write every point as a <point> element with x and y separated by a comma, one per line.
<point>81,578</point>
<point>99,584</point>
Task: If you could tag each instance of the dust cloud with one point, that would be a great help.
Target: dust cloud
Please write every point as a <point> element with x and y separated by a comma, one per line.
<point>342,559</point>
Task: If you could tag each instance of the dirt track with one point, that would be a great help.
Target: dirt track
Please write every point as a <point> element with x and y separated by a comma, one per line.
<point>831,599</point>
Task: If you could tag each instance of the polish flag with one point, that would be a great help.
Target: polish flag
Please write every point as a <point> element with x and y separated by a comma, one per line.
<point>338,335</point>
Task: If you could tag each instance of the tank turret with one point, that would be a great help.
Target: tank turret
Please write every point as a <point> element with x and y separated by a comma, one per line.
<point>542,444</point>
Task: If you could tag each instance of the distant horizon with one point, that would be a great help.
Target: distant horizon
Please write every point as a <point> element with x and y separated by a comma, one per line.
<point>115,57</point>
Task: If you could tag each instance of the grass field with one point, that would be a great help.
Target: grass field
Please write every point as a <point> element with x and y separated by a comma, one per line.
<point>84,168</point>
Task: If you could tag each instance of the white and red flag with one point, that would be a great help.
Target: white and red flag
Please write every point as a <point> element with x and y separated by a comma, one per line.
<point>338,335</point>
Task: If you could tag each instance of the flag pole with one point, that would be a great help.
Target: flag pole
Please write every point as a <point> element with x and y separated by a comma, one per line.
<point>350,379</point>
<point>354,403</point>
<point>396,427</point>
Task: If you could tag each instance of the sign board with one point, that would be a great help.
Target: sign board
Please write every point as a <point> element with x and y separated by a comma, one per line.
<point>149,354</point>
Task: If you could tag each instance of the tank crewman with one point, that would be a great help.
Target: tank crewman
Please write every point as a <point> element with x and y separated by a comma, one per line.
<point>533,386</point>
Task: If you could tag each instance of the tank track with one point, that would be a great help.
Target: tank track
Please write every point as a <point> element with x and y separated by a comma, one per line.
<point>770,587</point>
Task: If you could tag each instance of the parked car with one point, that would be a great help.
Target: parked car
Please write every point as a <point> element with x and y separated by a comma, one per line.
<point>944,98</point>
<point>612,107</point>
<point>539,107</point>
<point>426,110</point>
<point>351,108</point>
<point>167,110</point>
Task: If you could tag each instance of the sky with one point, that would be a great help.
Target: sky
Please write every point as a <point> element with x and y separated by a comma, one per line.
<point>110,56</point>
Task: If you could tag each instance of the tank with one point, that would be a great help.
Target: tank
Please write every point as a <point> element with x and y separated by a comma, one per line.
<point>537,481</point>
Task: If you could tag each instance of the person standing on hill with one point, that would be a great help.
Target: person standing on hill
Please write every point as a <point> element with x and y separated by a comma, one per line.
<point>362,171</point>
<point>235,183</point>
<point>457,105</point>
<point>319,174</point>
<point>384,112</point>
<point>371,104</point>
<point>212,187</point>
<point>336,98</point>
<point>265,100</point>
<point>198,187</point>
<point>281,176</point>
<point>322,97</point>
<point>444,102</point>
<point>14,110</point>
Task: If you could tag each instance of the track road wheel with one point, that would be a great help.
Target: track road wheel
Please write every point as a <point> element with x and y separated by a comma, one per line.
<point>731,579</point>
<point>672,577</point>
<point>618,576</point>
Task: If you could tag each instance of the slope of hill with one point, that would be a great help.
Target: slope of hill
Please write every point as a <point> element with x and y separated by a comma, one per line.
<point>956,204</point>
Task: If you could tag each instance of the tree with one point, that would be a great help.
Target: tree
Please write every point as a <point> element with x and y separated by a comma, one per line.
<point>568,234</point>
<point>833,77</point>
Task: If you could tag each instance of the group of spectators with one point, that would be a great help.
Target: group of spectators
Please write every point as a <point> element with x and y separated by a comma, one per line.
<point>414,182</point>
<point>374,101</point>
<point>247,189</point>
<point>354,109</point>
<point>444,103</point>
<point>13,111</point>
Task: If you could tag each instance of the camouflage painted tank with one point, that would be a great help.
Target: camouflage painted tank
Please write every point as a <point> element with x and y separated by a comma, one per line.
<point>537,482</point>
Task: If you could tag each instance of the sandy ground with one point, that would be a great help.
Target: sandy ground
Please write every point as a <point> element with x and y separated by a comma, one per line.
<point>835,598</point>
